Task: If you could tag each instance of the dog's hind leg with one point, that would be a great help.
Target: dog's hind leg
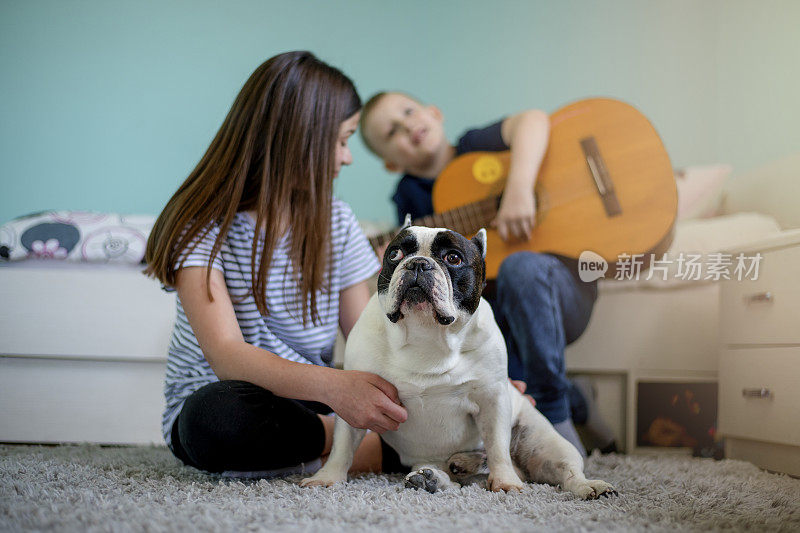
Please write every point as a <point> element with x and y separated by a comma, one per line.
<point>547,457</point>
<point>469,468</point>
<point>468,463</point>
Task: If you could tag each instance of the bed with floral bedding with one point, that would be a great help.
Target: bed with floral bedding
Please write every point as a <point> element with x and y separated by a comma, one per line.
<point>83,333</point>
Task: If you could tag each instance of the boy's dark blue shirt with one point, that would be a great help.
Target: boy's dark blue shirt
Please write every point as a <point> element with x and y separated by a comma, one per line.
<point>414,195</point>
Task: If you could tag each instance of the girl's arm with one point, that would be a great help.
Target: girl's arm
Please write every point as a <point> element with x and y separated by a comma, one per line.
<point>527,134</point>
<point>352,302</point>
<point>364,400</point>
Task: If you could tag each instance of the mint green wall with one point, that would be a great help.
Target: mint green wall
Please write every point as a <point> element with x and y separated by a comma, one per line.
<point>108,105</point>
<point>758,77</point>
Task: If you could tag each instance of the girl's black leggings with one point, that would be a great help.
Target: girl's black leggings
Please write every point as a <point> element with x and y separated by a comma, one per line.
<point>238,426</point>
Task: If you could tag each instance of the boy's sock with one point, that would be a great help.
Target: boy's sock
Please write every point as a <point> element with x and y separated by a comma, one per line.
<point>599,433</point>
<point>567,430</point>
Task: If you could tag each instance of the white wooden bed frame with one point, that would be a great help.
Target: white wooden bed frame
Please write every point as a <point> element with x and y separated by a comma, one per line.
<point>82,354</point>
<point>83,347</point>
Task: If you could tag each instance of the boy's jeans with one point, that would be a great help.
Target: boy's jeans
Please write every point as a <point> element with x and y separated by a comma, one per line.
<point>540,308</point>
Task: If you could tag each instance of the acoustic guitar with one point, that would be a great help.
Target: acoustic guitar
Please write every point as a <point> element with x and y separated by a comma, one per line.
<point>605,184</point>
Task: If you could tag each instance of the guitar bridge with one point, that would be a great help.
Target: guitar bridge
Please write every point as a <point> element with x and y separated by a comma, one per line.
<point>602,180</point>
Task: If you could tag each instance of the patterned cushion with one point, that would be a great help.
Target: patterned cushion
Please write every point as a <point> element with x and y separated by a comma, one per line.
<point>76,236</point>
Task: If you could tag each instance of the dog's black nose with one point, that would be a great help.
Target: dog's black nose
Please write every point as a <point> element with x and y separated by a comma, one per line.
<point>419,263</point>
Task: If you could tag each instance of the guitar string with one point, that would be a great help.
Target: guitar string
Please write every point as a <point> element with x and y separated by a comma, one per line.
<point>545,203</point>
<point>458,216</point>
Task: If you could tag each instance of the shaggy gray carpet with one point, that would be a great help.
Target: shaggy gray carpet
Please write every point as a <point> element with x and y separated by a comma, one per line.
<point>91,488</point>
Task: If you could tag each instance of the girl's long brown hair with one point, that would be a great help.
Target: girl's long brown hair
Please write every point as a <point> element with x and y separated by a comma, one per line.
<point>274,154</point>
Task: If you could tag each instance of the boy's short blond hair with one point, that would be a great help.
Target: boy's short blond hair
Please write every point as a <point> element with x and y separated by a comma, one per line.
<point>365,111</point>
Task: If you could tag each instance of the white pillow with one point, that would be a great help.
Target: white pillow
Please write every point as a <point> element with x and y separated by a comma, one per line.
<point>700,190</point>
<point>703,237</point>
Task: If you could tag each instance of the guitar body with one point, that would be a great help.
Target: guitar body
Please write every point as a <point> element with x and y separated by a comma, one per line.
<point>606,185</point>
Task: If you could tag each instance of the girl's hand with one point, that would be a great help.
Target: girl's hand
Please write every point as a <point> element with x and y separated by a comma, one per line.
<point>366,401</point>
<point>517,215</point>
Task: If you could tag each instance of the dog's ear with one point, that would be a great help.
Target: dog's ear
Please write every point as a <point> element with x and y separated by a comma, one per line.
<point>406,222</point>
<point>480,241</point>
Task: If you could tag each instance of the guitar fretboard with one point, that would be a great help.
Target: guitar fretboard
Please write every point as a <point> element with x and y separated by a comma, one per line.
<point>466,219</point>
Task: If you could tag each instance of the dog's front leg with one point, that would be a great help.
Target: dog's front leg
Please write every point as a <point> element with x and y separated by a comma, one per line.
<point>494,424</point>
<point>345,442</point>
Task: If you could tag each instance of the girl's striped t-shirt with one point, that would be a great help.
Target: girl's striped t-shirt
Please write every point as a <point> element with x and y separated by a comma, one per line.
<point>281,332</point>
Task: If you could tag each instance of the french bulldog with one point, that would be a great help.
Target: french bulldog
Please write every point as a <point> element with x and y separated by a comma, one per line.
<point>429,332</point>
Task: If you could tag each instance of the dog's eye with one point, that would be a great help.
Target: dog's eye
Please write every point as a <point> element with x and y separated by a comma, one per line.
<point>453,259</point>
<point>396,255</point>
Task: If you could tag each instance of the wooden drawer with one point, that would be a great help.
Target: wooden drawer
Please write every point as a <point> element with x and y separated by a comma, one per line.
<point>774,418</point>
<point>765,310</point>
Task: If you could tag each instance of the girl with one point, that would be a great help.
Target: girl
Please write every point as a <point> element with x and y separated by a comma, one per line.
<point>267,266</point>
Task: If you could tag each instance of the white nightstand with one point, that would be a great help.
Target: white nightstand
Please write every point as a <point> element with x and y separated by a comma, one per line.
<point>759,364</point>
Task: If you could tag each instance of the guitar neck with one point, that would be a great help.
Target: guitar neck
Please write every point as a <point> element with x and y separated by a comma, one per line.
<point>467,219</point>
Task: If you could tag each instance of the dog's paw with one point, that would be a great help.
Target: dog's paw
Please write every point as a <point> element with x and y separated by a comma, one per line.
<point>424,479</point>
<point>593,489</point>
<point>505,483</point>
<point>318,480</point>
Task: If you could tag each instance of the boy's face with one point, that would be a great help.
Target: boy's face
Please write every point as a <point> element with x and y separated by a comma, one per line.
<point>405,134</point>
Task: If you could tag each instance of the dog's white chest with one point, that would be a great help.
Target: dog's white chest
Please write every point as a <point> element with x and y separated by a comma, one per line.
<point>440,422</point>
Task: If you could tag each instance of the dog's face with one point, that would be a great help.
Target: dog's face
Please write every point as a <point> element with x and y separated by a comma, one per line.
<point>432,271</point>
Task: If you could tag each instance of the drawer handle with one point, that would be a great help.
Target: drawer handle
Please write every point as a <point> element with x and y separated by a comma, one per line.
<point>763,393</point>
<point>759,297</point>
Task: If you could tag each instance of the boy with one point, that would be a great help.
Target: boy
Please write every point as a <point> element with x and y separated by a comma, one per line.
<point>539,301</point>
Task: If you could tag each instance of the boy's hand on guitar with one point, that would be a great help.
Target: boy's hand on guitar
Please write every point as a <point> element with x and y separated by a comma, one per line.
<point>516,217</point>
